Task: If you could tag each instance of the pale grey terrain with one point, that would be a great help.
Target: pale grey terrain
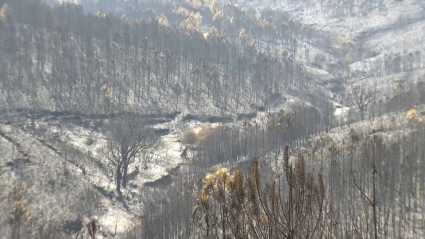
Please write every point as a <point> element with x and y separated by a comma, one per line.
<point>54,136</point>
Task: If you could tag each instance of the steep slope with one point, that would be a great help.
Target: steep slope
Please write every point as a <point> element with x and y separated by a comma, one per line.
<point>387,40</point>
<point>70,61</point>
<point>373,43</point>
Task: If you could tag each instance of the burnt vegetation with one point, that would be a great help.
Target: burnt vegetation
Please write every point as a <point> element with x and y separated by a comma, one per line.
<point>263,153</point>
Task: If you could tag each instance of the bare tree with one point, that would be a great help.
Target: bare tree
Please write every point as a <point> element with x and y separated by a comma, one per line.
<point>129,138</point>
<point>362,97</point>
<point>372,191</point>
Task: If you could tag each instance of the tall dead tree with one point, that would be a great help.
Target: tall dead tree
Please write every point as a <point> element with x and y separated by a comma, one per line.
<point>362,97</point>
<point>372,188</point>
<point>129,138</point>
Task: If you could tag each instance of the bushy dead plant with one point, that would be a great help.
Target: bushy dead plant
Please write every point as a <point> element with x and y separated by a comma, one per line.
<point>233,207</point>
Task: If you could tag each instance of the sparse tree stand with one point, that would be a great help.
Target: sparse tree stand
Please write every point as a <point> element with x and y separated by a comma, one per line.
<point>128,138</point>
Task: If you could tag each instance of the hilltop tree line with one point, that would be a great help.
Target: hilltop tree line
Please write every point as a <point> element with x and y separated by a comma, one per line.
<point>61,58</point>
<point>277,31</point>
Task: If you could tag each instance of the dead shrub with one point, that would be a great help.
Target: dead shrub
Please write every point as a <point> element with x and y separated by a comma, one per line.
<point>204,132</point>
<point>89,141</point>
<point>412,114</point>
<point>189,137</point>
